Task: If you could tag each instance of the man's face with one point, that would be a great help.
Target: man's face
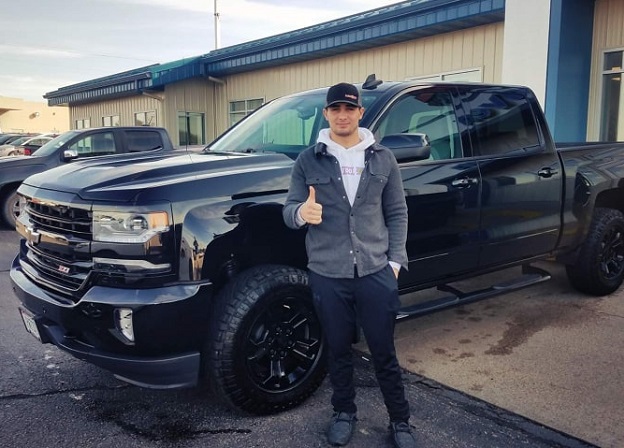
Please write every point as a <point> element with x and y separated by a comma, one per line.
<point>343,118</point>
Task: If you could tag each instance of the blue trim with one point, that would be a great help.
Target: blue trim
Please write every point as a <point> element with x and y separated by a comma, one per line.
<point>121,84</point>
<point>382,26</point>
<point>569,68</point>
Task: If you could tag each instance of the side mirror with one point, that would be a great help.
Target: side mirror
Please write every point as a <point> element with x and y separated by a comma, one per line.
<point>408,147</point>
<point>69,155</point>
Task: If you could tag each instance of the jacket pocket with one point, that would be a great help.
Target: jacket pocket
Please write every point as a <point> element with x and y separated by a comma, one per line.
<point>379,172</point>
<point>376,184</point>
<point>313,181</point>
<point>325,191</point>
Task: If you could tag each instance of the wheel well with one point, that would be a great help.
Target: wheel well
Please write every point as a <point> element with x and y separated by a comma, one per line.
<point>4,190</point>
<point>610,199</point>
<point>261,238</point>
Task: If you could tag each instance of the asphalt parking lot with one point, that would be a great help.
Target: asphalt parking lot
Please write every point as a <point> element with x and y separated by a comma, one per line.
<point>546,352</point>
<point>541,367</point>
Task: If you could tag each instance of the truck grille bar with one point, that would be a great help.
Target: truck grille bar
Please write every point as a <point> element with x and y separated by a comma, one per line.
<point>60,219</point>
<point>58,237</point>
<point>68,276</point>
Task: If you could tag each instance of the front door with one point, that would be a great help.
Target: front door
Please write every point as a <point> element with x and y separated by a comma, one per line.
<point>442,193</point>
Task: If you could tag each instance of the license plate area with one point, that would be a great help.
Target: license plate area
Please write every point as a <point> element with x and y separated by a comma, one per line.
<point>29,322</point>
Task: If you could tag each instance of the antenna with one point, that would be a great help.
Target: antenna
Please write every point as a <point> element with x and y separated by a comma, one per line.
<point>217,28</point>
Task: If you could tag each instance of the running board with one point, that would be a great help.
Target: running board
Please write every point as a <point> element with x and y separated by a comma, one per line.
<point>530,276</point>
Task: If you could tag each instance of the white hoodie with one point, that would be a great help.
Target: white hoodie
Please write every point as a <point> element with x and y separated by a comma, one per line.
<point>351,159</point>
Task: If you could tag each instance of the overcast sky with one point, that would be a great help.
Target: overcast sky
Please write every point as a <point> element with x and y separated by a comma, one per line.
<point>48,44</point>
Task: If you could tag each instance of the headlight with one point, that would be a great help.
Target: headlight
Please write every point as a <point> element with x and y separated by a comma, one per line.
<point>124,227</point>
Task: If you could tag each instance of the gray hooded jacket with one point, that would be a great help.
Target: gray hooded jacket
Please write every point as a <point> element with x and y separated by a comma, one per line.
<point>372,232</point>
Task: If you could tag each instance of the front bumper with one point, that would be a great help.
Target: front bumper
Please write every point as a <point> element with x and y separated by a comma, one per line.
<point>170,329</point>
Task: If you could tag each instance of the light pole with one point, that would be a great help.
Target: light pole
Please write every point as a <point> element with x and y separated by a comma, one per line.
<point>217,29</point>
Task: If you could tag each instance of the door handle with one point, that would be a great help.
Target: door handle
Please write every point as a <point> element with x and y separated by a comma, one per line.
<point>464,182</point>
<point>547,172</point>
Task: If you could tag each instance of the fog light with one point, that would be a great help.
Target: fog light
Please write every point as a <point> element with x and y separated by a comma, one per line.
<point>123,321</point>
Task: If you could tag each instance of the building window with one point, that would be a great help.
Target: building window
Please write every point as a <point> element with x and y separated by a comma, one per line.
<point>191,128</point>
<point>111,120</point>
<point>612,113</point>
<point>240,109</point>
<point>85,123</point>
<point>145,118</point>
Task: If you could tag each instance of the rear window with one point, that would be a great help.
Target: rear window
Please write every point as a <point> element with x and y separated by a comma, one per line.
<point>143,140</point>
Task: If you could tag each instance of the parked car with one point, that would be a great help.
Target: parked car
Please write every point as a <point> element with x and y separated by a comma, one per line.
<point>127,143</point>
<point>10,149</point>
<point>8,138</point>
<point>33,144</point>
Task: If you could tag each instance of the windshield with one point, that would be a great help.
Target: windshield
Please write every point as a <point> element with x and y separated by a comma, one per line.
<point>54,144</point>
<point>286,125</point>
<point>19,141</point>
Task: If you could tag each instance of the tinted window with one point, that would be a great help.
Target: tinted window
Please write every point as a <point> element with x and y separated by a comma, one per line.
<point>95,145</point>
<point>425,112</point>
<point>143,141</point>
<point>502,122</point>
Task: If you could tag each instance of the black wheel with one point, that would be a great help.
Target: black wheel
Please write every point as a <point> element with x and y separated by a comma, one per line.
<point>10,208</point>
<point>599,269</point>
<point>266,352</point>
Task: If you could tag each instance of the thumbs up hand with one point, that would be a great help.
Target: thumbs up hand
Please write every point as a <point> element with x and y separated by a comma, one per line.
<point>310,210</point>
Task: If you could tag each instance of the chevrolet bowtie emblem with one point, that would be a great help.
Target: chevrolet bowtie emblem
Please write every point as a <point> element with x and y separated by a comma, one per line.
<point>34,237</point>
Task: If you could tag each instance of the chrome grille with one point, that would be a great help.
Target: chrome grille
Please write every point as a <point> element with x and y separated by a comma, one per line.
<point>66,277</point>
<point>60,219</point>
<point>58,241</point>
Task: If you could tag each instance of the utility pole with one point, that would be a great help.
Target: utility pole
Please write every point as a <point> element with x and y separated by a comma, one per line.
<point>217,28</point>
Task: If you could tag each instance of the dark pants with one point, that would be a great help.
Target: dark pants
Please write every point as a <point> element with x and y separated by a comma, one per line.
<point>372,302</point>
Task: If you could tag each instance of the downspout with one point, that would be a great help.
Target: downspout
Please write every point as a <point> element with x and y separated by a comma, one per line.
<point>215,81</point>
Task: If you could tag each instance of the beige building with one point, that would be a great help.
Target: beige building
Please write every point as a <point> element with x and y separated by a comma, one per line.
<point>568,51</point>
<point>20,116</point>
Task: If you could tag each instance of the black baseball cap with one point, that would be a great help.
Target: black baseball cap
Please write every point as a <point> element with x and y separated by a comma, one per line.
<point>343,93</point>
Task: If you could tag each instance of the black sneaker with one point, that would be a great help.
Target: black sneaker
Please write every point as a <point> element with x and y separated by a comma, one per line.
<point>341,428</point>
<point>402,435</point>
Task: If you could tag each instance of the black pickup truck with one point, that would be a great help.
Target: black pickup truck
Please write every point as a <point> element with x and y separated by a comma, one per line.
<point>71,146</point>
<point>180,268</point>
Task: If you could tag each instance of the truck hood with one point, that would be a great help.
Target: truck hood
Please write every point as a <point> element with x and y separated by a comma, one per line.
<point>125,180</point>
<point>9,162</point>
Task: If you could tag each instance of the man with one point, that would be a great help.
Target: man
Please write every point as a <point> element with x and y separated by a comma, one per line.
<point>348,191</point>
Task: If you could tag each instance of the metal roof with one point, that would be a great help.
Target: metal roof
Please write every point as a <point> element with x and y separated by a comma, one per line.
<point>382,26</point>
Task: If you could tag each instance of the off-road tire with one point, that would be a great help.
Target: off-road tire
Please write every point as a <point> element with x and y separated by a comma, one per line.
<point>10,207</point>
<point>599,269</point>
<point>265,350</point>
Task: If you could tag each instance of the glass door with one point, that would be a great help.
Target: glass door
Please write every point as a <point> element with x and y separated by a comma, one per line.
<point>612,113</point>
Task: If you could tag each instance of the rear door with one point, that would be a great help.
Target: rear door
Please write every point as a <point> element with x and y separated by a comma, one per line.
<point>442,193</point>
<point>521,176</point>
